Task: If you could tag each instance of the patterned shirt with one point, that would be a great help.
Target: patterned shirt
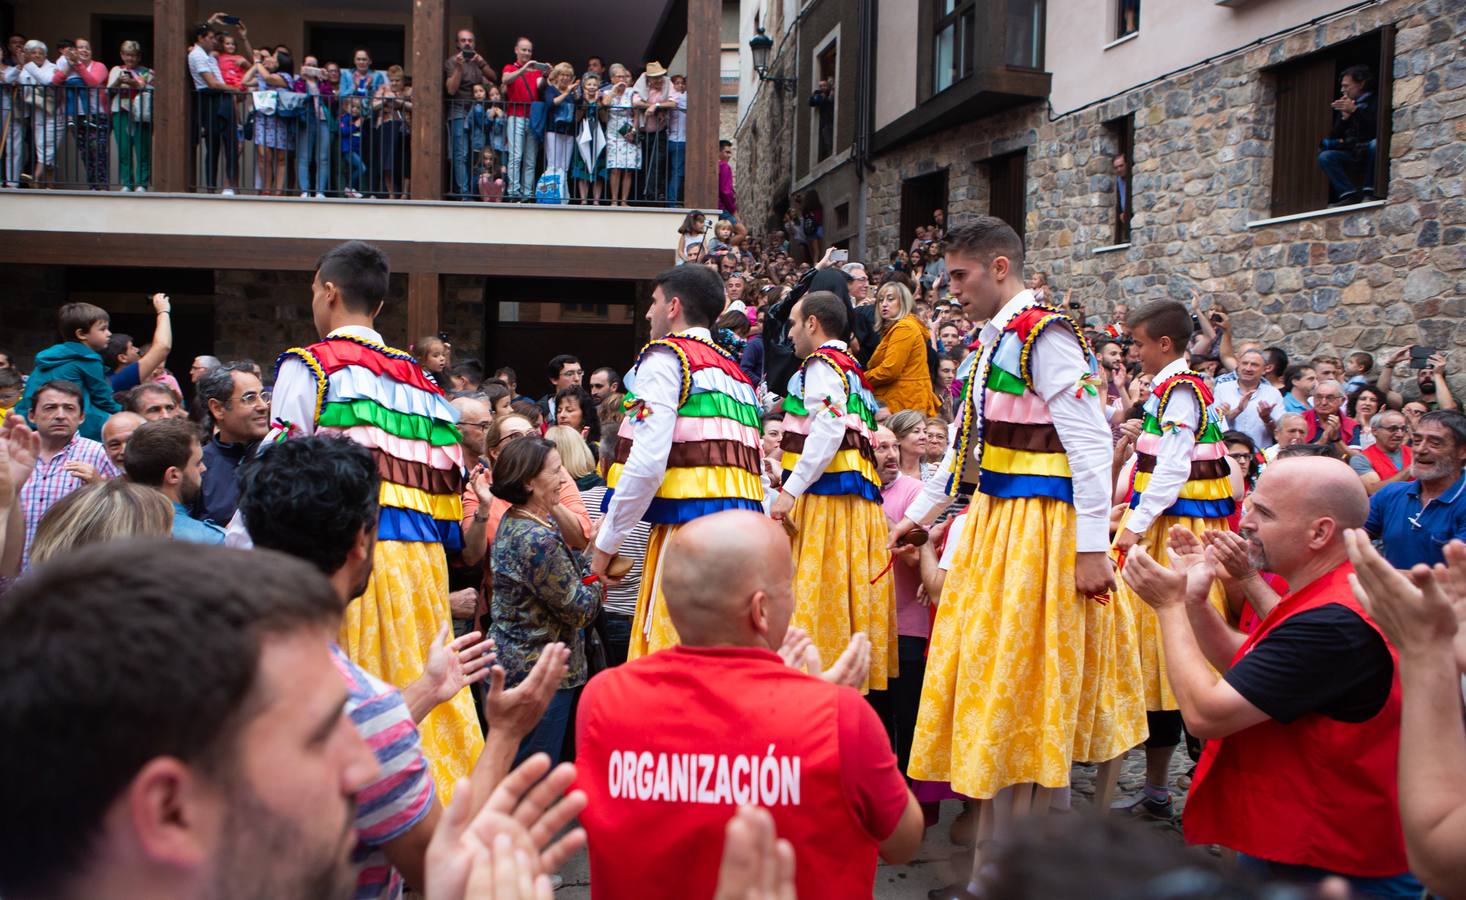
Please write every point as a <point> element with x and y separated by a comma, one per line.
<point>50,482</point>
<point>402,794</point>
<point>538,598</point>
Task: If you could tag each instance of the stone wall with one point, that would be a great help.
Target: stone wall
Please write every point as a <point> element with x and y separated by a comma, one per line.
<point>763,149</point>
<point>1376,279</point>
<point>258,314</point>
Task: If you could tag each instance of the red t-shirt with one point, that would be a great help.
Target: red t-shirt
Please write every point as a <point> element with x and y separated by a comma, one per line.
<point>669,745</point>
<point>522,91</point>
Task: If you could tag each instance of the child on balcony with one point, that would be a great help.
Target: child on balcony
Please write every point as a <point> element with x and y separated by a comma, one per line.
<point>588,164</point>
<point>489,176</point>
<point>351,126</point>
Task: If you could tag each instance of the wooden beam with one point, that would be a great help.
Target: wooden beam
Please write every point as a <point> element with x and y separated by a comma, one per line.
<point>172,90</point>
<point>66,248</point>
<point>704,86</point>
<point>429,35</point>
<point>424,293</point>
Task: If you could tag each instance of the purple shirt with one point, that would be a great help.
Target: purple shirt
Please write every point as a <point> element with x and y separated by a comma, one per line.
<point>50,482</point>
<point>912,619</point>
<point>726,201</point>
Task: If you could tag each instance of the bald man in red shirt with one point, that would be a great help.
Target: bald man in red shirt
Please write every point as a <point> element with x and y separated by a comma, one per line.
<point>672,744</point>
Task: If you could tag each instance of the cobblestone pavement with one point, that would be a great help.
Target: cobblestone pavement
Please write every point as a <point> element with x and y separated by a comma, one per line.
<point>940,862</point>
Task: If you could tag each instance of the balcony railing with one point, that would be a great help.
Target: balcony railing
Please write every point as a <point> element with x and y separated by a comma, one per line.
<point>75,137</point>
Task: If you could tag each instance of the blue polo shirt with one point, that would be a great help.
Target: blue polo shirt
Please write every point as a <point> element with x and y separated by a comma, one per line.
<point>1413,535</point>
<point>187,528</point>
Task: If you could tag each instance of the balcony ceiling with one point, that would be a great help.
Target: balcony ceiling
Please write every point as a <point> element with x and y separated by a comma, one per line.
<point>567,30</point>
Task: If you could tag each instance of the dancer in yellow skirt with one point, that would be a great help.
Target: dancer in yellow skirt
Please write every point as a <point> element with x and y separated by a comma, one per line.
<point>1181,479</point>
<point>833,491</point>
<point>1025,669</point>
<point>689,445</point>
<point>351,384</point>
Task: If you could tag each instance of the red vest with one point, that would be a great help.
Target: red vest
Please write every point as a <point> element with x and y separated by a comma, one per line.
<point>1380,460</point>
<point>669,745</point>
<point>1317,792</point>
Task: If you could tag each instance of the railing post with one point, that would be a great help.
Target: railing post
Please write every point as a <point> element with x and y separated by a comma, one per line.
<point>704,86</point>
<point>172,89</point>
<point>424,292</point>
<point>429,35</point>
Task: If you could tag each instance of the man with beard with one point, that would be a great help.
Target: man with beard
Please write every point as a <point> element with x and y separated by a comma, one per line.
<point>182,733</point>
<point>1303,725</point>
<point>166,455</point>
<point>315,498</point>
<point>1415,520</point>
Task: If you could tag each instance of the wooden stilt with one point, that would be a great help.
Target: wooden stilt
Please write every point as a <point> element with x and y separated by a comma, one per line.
<point>1105,778</point>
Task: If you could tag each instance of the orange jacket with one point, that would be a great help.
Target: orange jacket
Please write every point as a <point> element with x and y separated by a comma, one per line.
<point>898,372</point>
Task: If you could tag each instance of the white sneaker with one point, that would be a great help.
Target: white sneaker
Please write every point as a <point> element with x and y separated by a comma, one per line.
<point>305,194</point>
<point>227,192</point>
<point>320,196</point>
<point>126,189</point>
<point>140,189</point>
<point>355,195</point>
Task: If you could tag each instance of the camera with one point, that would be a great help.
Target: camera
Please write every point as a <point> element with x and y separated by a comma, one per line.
<point>467,53</point>
<point>1216,318</point>
<point>1420,357</point>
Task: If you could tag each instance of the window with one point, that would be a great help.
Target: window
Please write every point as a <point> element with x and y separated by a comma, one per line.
<point>920,198</point>
<point>1025,45</point>
<point>1120,148</point>
<point>1127,18</point>
<point>953,46</point>
<point>842,216</point>
<point>1354,166</point>
<point>1008,188</point>
<point>822,101</point>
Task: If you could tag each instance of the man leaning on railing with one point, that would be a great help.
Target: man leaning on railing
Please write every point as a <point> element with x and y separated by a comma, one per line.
<point>214,111</point>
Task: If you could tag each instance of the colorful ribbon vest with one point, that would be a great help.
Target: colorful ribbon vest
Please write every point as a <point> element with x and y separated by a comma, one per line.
<point>853,470</point>
<point>1207,493</point>
<point>1020,454</point>
<point>714,463</point>
<point>380,398</point>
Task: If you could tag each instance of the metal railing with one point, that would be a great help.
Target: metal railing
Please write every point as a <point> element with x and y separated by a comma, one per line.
<point>292,143</point>
<point>578,153</point>
<point>282,142</point>
<point>76,136</point>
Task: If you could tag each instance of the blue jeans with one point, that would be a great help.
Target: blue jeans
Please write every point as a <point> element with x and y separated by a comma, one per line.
<point>1403,885</point>
<point>1336,165</point>
<point>313,141</point>
<point>549,735</point>
<point>677,159</point>
<point>354,167</point>
<point>618,637</point>
<point>524,151</point>
<point>458,137</point>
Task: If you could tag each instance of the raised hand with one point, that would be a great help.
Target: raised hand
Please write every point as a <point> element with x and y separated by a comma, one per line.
<point>23,448</point>
<point>451,667</point>
<point>1420,611</point>
<point>1191,558</point>
<point>757,865</point>
<point>1229,549</point>
<point>849,670</point>
<point>519,710</point>
<point>1156,584</point>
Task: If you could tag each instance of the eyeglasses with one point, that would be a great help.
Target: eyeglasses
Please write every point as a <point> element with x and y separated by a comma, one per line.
<point>253,397</point>
<point>1241,457</point>
<point>1392,429</point>
<point>509,437</point>
<point>484,424</point>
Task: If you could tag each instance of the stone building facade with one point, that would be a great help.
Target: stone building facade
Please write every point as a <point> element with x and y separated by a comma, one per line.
<point>1204,143</point>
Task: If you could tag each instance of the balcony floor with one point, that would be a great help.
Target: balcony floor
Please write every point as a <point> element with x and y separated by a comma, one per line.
<point>194,230</point>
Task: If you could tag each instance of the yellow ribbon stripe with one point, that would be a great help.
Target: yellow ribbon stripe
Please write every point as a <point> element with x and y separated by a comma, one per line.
<point>447,507</point>
<point>1204,489</point>
<point>844,461</point>
<point>702,483</point>
<point>1025,462</point>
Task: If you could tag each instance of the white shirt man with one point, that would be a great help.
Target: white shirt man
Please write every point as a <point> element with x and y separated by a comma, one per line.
<point>1246,400</point>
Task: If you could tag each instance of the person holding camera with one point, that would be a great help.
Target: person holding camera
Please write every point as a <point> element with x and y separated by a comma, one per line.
<point>462,71</point>
<point>522,90</point>
<point>1350,145</point>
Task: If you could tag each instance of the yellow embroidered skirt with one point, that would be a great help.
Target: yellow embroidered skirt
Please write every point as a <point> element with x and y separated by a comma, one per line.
<point>388,631</point>
<point>651,628</point>
<point>1017,681</point>
<point>1157,684</point>
<point>840,547</point>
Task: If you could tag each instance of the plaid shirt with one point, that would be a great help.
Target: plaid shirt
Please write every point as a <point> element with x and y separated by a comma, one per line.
<point>49,483</point>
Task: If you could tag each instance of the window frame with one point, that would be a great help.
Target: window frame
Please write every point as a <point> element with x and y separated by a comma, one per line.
<point>964,46</point>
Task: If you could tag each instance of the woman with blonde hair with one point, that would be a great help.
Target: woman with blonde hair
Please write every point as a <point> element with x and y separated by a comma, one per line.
<point>898,372</point>
<point>909,427</point>
<point>580,463</point>
<point>559,97</point>
<point>111,510</point>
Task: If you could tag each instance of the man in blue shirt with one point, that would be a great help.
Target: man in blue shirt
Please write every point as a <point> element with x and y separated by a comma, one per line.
<point>165,455</point>
<point>1415,520</point>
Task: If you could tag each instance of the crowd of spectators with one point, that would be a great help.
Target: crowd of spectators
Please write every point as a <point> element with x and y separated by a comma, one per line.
<point>114,449</point>
<point>526,131</point>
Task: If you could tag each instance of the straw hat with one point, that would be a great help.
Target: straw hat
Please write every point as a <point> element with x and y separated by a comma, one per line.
<point>654,70</point>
